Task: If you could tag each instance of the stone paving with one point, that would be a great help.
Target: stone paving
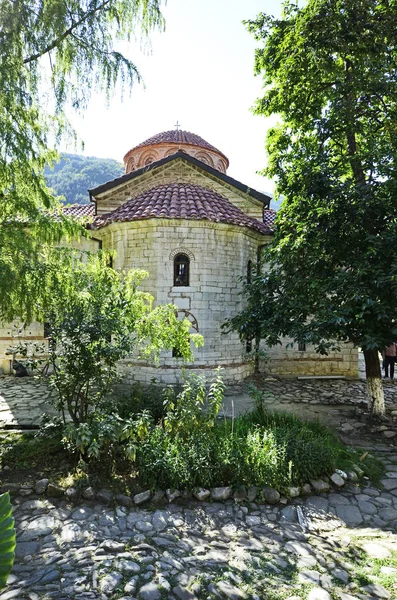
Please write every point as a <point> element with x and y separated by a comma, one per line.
<point>23,400</point>
<point>207,550</point>
<point>307,549</point>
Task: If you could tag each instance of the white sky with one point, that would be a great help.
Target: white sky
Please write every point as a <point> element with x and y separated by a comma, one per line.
<point>199,72</point>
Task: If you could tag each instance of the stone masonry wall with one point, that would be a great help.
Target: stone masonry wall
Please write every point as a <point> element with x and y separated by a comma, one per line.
<point>219,254</point>
<point>10,336</point>
<point>293,362</point>
<point>178,170</point>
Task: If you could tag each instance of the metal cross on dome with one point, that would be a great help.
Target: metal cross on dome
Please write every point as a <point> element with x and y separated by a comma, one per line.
<point>177,125</point>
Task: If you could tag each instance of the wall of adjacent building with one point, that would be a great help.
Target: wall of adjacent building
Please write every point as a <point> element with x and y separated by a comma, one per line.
<point>11,335</point>
<point>290,361</point>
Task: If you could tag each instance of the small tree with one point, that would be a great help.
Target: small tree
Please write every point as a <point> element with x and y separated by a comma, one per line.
<point>97,317</point>
<point>330,72</point>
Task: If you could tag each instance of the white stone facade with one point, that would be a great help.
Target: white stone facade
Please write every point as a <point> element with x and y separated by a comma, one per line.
<point>291,361</point>
<point>219,254</point>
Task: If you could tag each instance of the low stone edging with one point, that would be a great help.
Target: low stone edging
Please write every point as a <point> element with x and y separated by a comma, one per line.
<point>266,495</point>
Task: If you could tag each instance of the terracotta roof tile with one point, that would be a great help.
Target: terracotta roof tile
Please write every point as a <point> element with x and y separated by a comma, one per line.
<point>181,201</point>
<point>177,137</point>
<point>79,210</point>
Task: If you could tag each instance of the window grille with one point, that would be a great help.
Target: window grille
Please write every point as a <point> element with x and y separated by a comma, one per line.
<point>181,270</point>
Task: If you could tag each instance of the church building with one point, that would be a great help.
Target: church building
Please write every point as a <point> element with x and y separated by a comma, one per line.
<point>199,233</point>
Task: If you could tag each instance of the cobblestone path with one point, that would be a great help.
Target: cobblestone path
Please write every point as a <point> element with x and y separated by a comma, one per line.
<point>327,547</point>
<point>208,550</point>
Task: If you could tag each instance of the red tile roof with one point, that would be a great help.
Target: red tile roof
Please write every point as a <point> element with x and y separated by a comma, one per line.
<point>79,210</point>
<point>181,201</point>
<point>177,137</point>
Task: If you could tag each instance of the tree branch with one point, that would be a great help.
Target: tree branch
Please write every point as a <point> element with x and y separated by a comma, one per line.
<point>66,33</point>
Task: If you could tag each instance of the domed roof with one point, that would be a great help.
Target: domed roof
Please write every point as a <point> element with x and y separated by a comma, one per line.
<point>181,201</point>
<point>179,138</point>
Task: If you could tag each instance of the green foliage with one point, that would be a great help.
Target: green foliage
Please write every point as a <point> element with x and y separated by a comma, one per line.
<point>260,448</point>
<point>106,435</point>
<point>7,539</point>
<point>98,316</point>
<point>329,73</point>
<point>52,53</point>
<point>141,397</point>
<point>42,451</point>
<point>194,407</point>
<point>74,175</point>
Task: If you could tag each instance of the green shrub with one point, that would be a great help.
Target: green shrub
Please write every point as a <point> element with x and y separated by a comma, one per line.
<point>104,436</point>
<point>194,408</point>
<point>189,447</point>
<point>260,448</point>
<point>141,398</point>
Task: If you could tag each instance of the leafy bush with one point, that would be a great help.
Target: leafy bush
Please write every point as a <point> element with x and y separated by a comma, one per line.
<point>190,447</point>
<point>141,398</point>
<point>194,408</point>
<point>106,435</point>
<point>260,448</point>
<point>7,539</point>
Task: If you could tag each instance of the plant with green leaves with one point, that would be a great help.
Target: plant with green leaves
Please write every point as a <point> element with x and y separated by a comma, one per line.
<point>195,407</point>
<point>53,53</point>
<point>7,539</point>
<point>330,73</point>
<point>98,316</point>
<point>106,435</point>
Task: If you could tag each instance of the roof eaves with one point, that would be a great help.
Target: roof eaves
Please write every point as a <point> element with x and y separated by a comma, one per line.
<point>104,187</point>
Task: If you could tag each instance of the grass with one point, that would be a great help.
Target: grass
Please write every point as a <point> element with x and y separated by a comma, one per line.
<point>369,570</point>
<point>260,448</point>
<point>26,452</point>
<point>187,447</point>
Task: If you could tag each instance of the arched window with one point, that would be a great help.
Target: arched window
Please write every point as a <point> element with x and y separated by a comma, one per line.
<point>181,270</point>
<point>185,314</point>
<point>149,160</point>
<point>249,271</point>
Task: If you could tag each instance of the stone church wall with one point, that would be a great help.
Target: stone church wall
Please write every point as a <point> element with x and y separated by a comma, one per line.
<point>219,255</point>
<point>11,334</point>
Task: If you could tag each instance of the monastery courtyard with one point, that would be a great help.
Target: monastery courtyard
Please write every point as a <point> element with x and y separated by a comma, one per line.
<point>335,545</point>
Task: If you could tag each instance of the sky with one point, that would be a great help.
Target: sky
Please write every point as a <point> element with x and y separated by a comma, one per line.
<point>199,73</point>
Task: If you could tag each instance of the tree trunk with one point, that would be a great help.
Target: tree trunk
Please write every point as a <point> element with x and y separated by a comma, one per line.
<point>376,400</point>
<point>257,349</point>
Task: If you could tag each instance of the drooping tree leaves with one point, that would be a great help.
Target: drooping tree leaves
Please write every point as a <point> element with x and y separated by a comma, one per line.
<point>52,52</point>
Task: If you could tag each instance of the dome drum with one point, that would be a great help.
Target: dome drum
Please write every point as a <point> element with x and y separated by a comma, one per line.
<point>167,143</point>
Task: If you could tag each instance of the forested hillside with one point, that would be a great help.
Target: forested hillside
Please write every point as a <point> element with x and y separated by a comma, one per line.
<point>75,174</point>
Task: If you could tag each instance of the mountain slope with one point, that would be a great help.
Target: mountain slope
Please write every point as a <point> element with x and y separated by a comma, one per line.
<point>75,174</point>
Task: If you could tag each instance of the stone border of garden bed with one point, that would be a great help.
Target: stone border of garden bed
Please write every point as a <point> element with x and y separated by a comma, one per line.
<point>265,495</point>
